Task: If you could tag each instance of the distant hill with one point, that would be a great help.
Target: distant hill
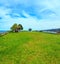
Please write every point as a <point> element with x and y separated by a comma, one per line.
<point>57,30</point>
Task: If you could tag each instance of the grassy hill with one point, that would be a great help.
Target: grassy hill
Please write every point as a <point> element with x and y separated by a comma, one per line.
<point>30,48</point>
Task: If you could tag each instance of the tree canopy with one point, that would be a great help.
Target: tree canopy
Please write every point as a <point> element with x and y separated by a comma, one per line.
<point>16,27</point>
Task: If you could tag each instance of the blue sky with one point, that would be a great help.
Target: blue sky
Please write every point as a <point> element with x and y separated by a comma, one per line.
<point>35,14</point>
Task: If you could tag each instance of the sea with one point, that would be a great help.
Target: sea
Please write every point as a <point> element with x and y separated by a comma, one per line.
<point>3,31</point>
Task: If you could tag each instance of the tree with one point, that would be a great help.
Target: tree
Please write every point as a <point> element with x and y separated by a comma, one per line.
<point>30,29</point>
<point>16,27</point>
<point>20,27</point>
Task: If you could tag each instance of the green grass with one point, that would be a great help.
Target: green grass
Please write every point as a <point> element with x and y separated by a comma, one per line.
<point>30,48</point>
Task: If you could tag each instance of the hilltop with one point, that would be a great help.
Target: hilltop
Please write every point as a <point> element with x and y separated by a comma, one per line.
<point>30,48</point>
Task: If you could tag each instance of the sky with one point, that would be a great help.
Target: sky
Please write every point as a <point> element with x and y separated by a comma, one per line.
<point>35,14</point>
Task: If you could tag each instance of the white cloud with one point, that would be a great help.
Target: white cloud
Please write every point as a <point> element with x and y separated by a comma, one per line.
<point>51,21</point>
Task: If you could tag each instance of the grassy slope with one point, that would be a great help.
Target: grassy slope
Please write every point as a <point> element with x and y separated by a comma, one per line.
<point>30,48</point>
